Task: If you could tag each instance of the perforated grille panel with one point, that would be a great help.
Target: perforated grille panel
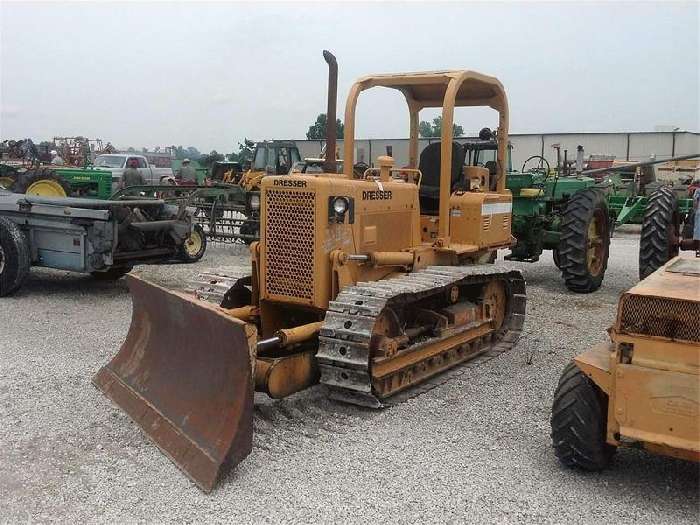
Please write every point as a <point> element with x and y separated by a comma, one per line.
<point>661,317</point>
<point>289,243</point>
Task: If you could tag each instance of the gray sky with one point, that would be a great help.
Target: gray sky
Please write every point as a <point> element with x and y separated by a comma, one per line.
<point>209,74</point>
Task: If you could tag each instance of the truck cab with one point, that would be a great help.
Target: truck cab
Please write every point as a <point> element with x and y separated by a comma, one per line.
<point>118,162</point>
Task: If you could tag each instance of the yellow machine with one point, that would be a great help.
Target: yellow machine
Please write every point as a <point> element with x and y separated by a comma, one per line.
<point>642,388</point>
<point>369,285</point>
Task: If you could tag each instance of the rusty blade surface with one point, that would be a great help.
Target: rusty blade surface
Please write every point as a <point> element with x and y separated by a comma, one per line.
<point>184,376</point>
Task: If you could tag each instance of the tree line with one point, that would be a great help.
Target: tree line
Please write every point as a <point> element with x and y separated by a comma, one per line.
<point>316,131</point>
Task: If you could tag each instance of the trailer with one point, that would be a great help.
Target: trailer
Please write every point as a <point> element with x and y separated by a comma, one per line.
<point>104,238</point>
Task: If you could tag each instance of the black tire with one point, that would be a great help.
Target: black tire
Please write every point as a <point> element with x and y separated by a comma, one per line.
<point>581,273</point>
<point>8,181</point>
<point>188,255</point>
<point>30,177</point>
<point>660,232</point>
<point>14,257</point>
<point>556,258</point>
<point>114,273</point>
<point>579,420</point>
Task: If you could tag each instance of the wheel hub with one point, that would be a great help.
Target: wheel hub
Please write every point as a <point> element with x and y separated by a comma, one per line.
<point>594,255</point>
<point>193,244</point>
<point>46,188</point>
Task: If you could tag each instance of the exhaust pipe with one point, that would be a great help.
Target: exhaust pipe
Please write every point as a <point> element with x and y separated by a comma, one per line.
<point>330,165</point>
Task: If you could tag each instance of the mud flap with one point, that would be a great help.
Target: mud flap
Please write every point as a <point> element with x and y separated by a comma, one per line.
<point>185,376</point>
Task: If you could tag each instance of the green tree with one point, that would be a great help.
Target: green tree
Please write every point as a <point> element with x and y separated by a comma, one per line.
<point>318,130</point>
<point>208,160</point>
<point>189,152</point>
<point>244,153</point>
<point>427,130</point>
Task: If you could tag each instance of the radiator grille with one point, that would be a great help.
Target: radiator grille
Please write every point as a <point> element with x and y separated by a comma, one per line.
<point>289,243</point>
<point>654,316</point>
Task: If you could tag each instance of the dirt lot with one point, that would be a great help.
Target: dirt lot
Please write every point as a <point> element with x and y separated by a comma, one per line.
<point>475,449</point>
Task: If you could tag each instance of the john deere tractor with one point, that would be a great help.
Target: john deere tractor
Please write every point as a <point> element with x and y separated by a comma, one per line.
<point>22,170</point>
<point>554,209</point>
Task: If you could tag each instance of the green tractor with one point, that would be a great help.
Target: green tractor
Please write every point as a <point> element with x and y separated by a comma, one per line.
<point>57,181</point>
<point>23,169</point>
<point>573,212</point>
<point>556,210</point>
<point>660,201</point>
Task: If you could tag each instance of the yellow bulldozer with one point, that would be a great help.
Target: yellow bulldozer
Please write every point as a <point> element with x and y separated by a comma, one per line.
<point>641,389</point>
<point>370,285</point>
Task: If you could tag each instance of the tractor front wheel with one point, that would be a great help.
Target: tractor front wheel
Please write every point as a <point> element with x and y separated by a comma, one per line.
<point>584,243</point>
<point>192,250</point>
<point>579,420</point>
<point>660,232</point>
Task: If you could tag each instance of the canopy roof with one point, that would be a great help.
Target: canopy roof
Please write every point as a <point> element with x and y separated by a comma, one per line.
<point>428,88</point>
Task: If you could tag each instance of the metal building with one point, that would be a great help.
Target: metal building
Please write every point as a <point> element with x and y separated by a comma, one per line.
<point>633,146</point>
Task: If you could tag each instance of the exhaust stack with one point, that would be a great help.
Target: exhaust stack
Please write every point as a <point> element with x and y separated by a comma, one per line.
<point>330,166</point>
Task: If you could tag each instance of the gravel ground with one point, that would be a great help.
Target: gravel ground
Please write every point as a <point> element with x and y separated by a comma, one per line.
<point>475,449</point>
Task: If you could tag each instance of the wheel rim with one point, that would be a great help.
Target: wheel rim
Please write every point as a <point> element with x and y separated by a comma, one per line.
<point>495,298</point>
<point>193,244</point>
<point>6,182</point>
<point>46,188</point>
<point>596,247</point>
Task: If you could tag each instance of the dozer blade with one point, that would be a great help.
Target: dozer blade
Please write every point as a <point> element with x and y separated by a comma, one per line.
<point>184,375</point>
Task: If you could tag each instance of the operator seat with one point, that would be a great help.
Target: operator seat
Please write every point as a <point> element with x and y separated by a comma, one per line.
<point>492,166</point>
<point>429,165</point>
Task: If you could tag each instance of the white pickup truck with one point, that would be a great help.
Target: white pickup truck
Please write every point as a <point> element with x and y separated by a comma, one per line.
<point>117,163</point>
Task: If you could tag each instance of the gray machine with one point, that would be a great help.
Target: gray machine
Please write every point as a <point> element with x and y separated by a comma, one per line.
<point>103,238</point>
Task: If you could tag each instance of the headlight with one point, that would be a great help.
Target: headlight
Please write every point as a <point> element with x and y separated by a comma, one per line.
<point>255,202</point>
<point>340,205</point>
<point>341,209</point>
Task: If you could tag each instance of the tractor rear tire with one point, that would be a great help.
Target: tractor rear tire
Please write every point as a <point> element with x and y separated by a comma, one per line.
<point>14,257</point>
<point>114,273</point>
<point>192,250</point>
<point>579,420</point>
<point>41,180</point>
<point>584,243</point>
<point>658,243</point>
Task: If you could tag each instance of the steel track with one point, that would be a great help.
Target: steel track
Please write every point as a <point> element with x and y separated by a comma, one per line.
<point>344,353</point>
